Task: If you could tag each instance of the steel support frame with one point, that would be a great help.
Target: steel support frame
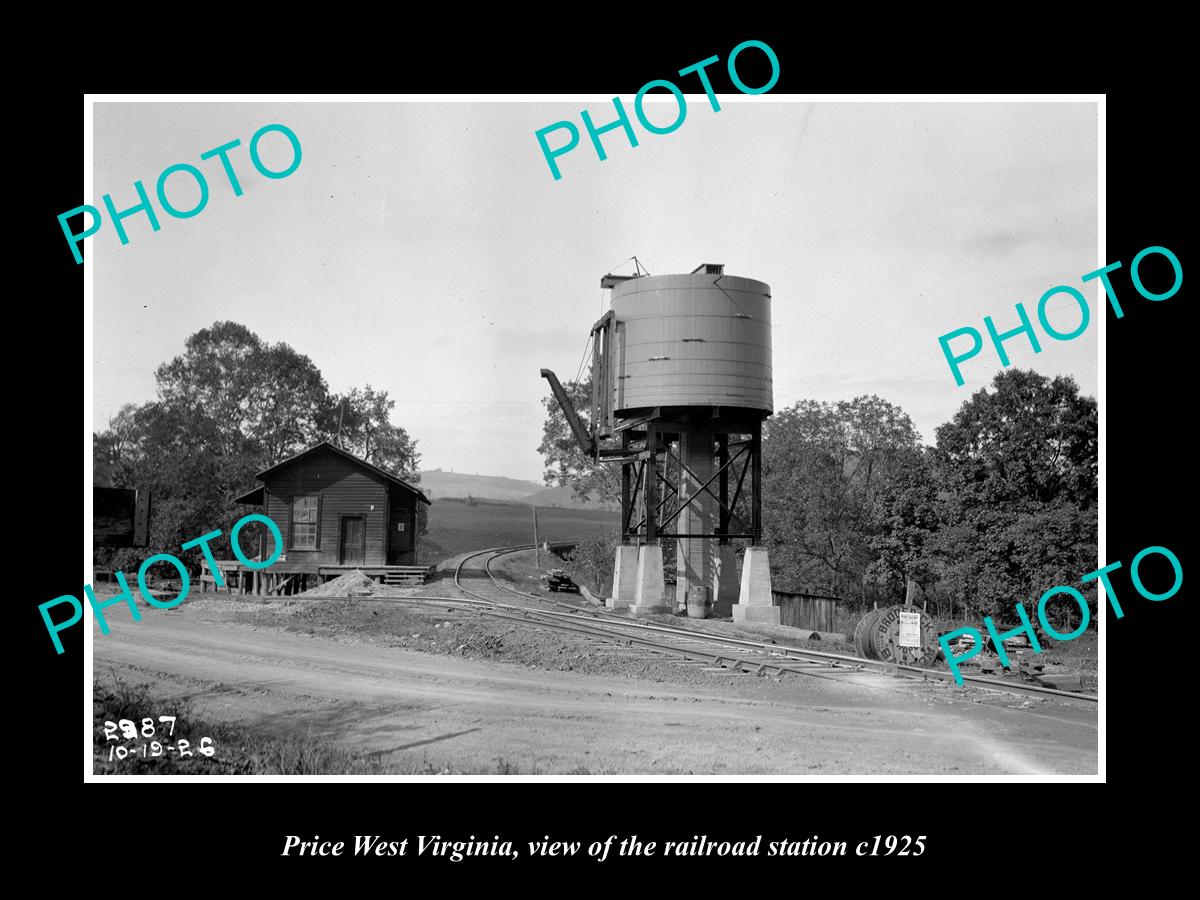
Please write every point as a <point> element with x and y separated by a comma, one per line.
<point>644,470</point>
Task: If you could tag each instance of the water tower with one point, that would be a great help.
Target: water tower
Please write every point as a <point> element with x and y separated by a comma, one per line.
<point>681,384</point>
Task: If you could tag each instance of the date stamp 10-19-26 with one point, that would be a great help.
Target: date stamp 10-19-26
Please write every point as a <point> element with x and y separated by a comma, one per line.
<point>152,740</point>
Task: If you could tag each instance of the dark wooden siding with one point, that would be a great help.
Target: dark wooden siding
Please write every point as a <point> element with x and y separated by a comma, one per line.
<point>402,545</point>
<point>806,611</point>
<point>345,490</point>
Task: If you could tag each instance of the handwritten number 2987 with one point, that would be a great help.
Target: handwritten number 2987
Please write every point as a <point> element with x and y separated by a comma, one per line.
<point>129,729</point>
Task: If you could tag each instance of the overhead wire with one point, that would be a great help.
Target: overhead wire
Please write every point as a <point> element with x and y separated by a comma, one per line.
<point>583,358</point>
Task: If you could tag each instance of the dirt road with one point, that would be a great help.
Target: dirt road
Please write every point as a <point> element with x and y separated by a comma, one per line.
<point>424,709</point>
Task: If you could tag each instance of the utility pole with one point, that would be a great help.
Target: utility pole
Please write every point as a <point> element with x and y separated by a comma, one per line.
<point>537,549</point>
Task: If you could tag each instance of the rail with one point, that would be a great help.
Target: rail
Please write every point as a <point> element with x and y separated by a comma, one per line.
<point>719,650</point>
<point>831,660</point>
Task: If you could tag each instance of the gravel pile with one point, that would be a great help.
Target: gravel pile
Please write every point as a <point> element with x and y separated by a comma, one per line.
<point>347,585</point>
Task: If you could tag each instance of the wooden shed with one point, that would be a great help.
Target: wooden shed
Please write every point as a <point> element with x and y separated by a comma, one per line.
<point>338,513</point>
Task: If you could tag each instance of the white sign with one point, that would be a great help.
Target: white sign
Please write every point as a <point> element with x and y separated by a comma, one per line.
<point>910,629</point>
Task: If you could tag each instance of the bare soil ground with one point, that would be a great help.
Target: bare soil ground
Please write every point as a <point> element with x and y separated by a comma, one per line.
<point>1078,656</point>
<point>427,690</point>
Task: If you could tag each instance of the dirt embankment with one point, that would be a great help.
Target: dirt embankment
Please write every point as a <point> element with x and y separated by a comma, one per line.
<point>421,695</point>
<point>472,636</point>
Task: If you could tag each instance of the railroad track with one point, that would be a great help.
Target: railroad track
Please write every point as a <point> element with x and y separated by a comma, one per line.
<point>736,653</point>
<point>687,645</point>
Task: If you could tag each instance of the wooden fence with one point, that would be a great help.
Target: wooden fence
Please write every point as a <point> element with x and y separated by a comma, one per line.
<point>810,611</point>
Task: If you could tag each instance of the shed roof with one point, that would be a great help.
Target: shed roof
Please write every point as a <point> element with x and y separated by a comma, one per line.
<point>326,445</point>
<point>252,497</point>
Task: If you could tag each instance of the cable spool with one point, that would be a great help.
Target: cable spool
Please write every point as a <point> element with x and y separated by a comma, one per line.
<point>862,632</point>
<point>877,636</point>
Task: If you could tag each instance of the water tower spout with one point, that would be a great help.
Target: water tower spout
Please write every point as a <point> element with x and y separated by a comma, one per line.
<point>587,443</point>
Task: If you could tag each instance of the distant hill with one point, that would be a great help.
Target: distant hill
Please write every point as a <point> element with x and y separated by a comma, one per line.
<point>437,483</point>
<point>564,497</point>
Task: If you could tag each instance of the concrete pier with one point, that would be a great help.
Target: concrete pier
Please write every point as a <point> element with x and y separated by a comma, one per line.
<point>650,596</point>
<point>755,603</point>
<point>625,578</point>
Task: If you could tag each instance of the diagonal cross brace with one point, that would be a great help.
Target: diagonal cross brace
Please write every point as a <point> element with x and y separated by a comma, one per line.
<point>738,490</point>
<point>637,484</point>
<point>661,503</point>
<point>728,511</point>
<point>702,487</point>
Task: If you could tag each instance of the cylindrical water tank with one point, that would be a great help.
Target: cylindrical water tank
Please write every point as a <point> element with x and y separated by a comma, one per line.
<point>692,340</point>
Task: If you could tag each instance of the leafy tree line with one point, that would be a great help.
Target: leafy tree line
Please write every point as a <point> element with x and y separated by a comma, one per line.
<point>230,406</point>
<point>1002,507</point>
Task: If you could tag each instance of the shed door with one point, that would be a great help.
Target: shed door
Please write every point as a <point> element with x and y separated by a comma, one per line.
<point>353,544</point>
<point>400,536</point>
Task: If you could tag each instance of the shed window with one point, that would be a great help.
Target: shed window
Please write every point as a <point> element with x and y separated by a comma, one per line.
<point>305,522</point>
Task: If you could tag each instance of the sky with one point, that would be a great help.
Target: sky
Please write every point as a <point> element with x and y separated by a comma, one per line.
<point>424,248</point>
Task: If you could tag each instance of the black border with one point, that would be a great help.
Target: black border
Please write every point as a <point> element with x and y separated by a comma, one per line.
<point>1147,464</point>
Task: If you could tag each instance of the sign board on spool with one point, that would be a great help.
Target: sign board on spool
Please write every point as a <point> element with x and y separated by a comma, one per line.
<point>910,630</point>
<point>896,634</point>
<point>885,636</point>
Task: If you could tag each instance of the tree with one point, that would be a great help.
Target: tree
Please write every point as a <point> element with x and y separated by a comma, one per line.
<point>1029,440</point>
<point>167,450</point>
<point>1019,466</point>
<point>591,562</point>
<point>289,404</point>
<point>360,422</point>
<point>822,465</point>
<point>905,518</point>
<point>243,396</point>
<point>113,450</point>
<point>810,519</point>
<point>875,432</point>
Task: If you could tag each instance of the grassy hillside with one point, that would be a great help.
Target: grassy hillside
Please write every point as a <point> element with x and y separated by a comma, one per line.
<point>437,484</point>
<point>455,526</point>
<point>564,497</point>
